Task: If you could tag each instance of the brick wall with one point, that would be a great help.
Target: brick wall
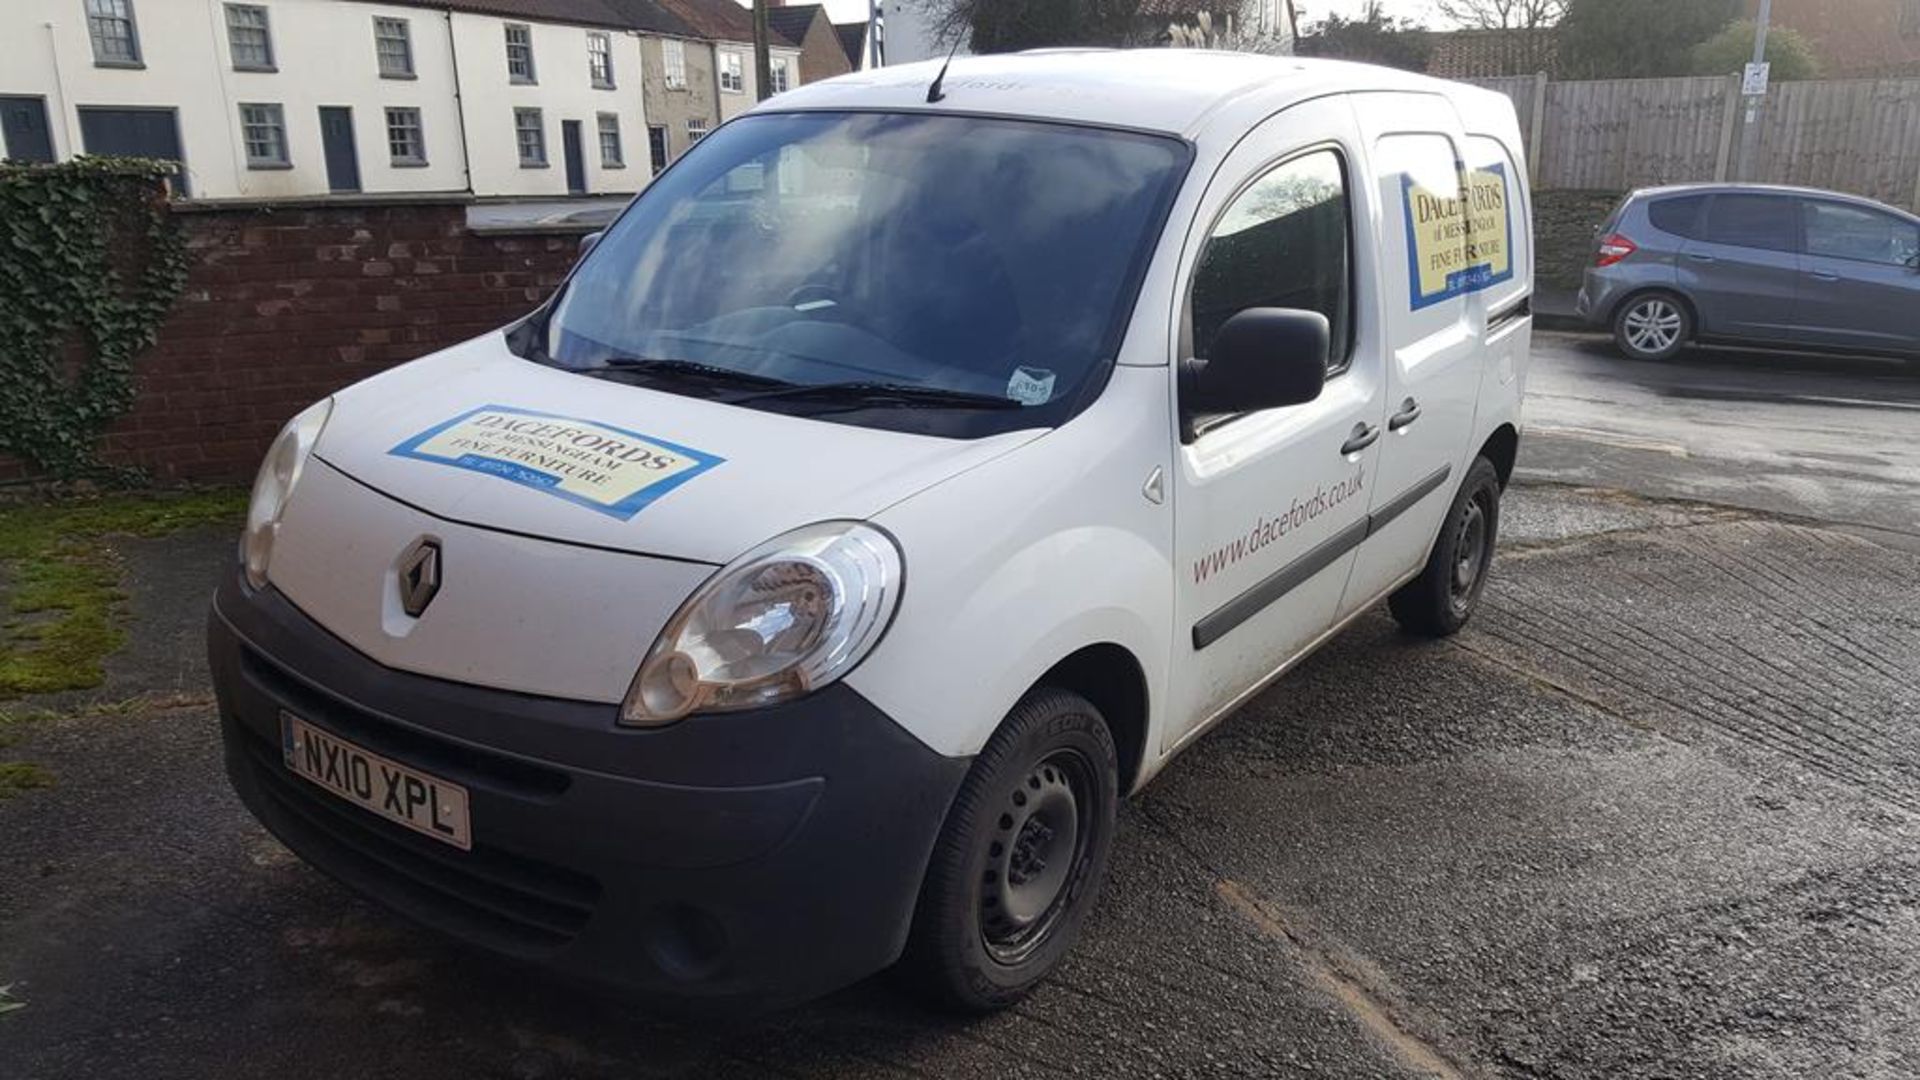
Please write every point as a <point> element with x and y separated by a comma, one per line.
<point>284,305</point>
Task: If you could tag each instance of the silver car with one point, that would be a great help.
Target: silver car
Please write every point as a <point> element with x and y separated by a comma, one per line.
<point>1773,266</point>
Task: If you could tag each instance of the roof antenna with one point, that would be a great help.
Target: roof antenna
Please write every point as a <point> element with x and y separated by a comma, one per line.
<point>933,92</point>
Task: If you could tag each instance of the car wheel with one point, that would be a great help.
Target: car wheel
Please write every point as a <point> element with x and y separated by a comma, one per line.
<point>1020,858</point>
<point>1441,600</point>
<point>1652,326</point>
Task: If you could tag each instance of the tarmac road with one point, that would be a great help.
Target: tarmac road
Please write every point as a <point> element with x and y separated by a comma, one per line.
<point>1653,814</point>
<point>1830,438</point>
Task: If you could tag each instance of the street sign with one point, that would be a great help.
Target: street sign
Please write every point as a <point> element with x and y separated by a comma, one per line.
<point>1754,82</point>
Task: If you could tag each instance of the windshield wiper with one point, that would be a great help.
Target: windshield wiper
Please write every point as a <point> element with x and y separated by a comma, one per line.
<point>667,366</point>
<point>856,394</point>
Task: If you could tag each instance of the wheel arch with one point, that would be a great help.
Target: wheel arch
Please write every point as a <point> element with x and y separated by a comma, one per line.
<point>1503,449</point>
<point>1112,678</point>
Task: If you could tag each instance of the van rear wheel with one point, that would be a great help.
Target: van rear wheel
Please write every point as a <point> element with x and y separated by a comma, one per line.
<point>1441,600</point>
<point>1020,858</point>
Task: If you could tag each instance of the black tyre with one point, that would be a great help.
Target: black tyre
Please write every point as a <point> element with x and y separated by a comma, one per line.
<point>1652,326</point>
<point>1441,600</point>
<point>1020,858</point>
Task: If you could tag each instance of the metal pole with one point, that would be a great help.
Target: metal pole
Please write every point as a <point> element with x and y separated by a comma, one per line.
<point>762,59</point>
<point>1750,127</point>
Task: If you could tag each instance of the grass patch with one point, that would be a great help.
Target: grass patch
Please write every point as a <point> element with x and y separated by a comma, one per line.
<point>61,619</point>
<point>19,776</point>
<point>1564,224</point>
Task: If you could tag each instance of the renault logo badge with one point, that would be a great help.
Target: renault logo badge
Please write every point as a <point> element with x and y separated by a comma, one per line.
<point>419,576</point>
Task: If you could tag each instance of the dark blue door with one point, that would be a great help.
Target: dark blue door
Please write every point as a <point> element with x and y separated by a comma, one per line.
<point>336,137</point>
<point>575,155</point>
<point>23,121</point>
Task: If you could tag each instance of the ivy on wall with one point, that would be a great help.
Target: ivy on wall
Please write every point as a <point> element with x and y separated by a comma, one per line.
<point>91,261</point>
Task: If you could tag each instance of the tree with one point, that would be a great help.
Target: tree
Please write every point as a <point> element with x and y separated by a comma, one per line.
<point>1638,39</point>
<point>1729,51</point>
<point>1373,38</point>
<point>1502,14</point>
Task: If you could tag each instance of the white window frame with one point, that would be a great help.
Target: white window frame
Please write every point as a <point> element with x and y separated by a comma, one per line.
<point>101,13</point>
<point>607,125</point>
<point>382,23</point>
<point>409,116</point>
<point>673,63</point>
<point>696,129</point>
<point>247,11</point>
<point>531,76</point>
<point>781,73</point>
<point>539,128</point>
<point>600,60</point>
<point>733,72</point>
<point>271,120</point>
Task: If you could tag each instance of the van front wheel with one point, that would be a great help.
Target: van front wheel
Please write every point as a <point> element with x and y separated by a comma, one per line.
<point>1441,600</point>
<point>1020,858</point>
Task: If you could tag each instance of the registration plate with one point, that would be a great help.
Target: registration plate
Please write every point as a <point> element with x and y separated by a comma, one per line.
<point>426,804</point>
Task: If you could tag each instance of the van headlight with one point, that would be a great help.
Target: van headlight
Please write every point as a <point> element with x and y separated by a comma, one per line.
<point>273,485</point>
<point>781,621</point>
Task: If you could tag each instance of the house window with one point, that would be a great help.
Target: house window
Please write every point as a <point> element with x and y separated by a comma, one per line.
<point>264,130</point>
<point>519,53</point>
<point>530,132</point>
<point>600,60</point>
<point>610,155</point>
<point>393,44</point>
<point>404,140</point>
<point>732,76</point>
<point>696,129</point>
<point>673,52</point>
<point>247,38</point>
<point>782,77</point>
<point>115,41</point>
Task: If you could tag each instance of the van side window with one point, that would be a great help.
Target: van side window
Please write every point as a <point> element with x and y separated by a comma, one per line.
<point>1283,243</point>
<point>1768,222</point>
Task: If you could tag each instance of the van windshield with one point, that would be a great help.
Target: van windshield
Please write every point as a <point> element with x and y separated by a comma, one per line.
<point>945,274</point>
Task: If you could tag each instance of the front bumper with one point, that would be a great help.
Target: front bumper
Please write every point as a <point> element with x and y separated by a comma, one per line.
<point>749,859</point>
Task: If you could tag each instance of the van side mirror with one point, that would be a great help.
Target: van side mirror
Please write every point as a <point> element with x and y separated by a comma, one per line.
<point>1262,358</point>
<point>588,242</point>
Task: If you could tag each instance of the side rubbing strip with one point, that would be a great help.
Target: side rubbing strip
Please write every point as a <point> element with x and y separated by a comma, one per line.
<point>1406,500</point>
<point>1224,619</point>
<point>1278,584</point>
<point>1521,310</point>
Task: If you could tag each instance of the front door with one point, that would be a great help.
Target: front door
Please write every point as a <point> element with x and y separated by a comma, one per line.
<point>1744,274</point>
<point>657,147</point>
<point>1861,286</point>
<point>23,122</point>
<point>576,157</point>
<point>1270,506</point>
<point>336,138</point>
<point>135,132</point>
<point>1434,278</point>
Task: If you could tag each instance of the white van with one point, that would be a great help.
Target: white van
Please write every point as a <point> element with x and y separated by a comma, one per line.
<point>907,475</point>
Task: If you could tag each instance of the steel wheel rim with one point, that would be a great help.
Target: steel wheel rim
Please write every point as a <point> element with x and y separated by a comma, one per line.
<point>1470,551</point>
<point>1653,326</point>
<point>1038,856</point>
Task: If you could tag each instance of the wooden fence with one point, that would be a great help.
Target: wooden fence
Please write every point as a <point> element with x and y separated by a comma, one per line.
<point>1856,136</point>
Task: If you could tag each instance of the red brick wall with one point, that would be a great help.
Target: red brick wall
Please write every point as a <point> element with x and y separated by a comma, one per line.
<point>284,306</point>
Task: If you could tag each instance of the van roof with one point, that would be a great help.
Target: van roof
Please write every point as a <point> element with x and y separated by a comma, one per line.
<point>1170,90</point>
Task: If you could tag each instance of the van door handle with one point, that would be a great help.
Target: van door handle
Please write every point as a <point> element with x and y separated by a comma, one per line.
<point>1364,435</point>
<point>1409,412</point>
<point>1823,275</point>
<point>1701,258</point>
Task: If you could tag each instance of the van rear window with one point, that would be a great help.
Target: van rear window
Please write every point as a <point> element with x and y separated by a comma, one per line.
<point>1680,216</point>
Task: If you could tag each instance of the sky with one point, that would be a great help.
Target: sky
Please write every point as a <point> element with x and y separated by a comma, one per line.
<point>1311,11</point>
